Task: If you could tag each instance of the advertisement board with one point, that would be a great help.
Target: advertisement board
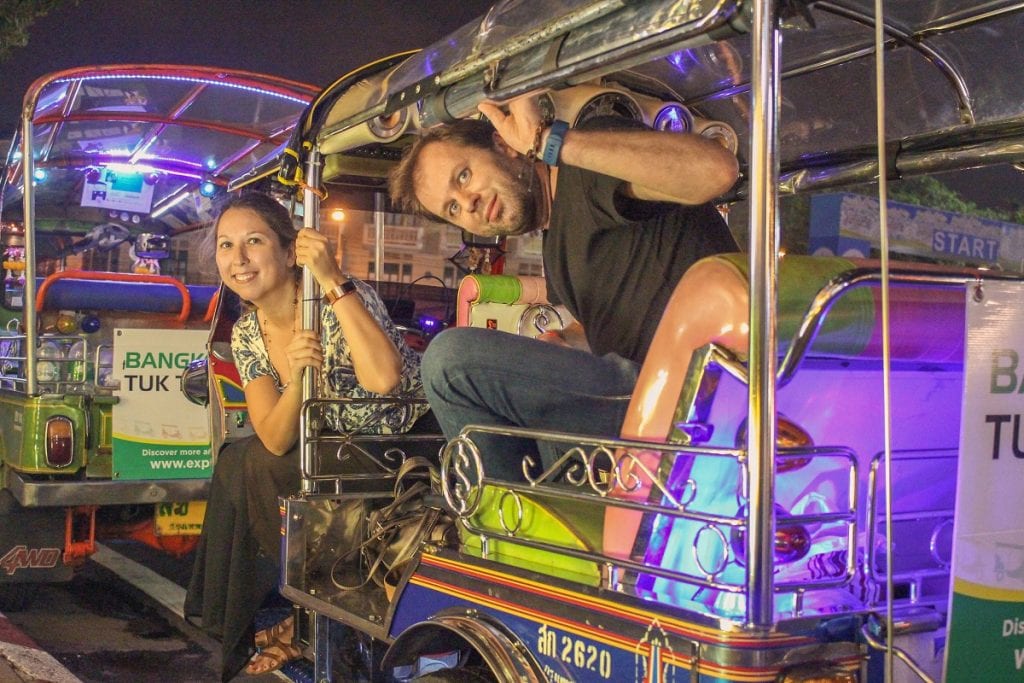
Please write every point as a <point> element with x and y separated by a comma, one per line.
<point>986,626</point>
<point>157,432</point>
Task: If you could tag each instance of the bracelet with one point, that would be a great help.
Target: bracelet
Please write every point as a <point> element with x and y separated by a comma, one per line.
<point>553,146</point>
<point>339,292</point>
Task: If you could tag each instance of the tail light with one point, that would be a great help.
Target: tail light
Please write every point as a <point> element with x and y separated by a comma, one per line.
<point>792,541</point>
<point>788,434</point>
<point>60,442</point>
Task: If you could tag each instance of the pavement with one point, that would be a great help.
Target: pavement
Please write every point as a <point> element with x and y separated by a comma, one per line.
<point>23,661</point>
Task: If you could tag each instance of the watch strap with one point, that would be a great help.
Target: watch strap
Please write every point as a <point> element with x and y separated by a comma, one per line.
<point>553,145</point>
<point>342,290</point>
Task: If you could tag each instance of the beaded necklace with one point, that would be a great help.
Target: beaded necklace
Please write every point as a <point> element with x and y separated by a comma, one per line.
<point>265,327</point>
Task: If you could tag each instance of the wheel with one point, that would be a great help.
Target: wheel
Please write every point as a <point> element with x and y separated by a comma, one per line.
<point>470,674</point>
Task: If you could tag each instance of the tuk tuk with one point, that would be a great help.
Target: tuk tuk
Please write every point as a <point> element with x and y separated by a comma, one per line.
<point>880,540</point>
<point>106,301</point>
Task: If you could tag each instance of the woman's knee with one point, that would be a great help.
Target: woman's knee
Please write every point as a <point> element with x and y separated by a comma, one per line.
<point>230,462</point>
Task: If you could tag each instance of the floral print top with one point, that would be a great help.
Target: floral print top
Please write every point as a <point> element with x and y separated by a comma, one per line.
<point>337,375</point>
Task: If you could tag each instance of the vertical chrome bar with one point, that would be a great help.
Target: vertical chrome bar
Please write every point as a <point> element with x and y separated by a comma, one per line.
<point>883,231</point>
<point>764,173</point>
<point>322,649</point>
<point>28,196</point>
<point>310,308</point>
<point>378,238</point>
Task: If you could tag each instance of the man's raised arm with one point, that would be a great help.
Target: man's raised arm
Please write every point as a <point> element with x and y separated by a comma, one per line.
<point>655,165</point>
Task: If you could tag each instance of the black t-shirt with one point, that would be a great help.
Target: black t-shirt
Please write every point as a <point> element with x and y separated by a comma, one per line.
<point>614,261</point>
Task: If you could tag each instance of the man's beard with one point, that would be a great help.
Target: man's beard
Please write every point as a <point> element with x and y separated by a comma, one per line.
<point>522,196</point>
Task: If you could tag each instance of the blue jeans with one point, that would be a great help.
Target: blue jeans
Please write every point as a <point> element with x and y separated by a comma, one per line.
<point>484,377</point>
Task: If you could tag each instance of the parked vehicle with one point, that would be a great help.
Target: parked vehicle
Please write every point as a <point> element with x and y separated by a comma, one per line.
<point>106,301</point>
<point>717,548</point>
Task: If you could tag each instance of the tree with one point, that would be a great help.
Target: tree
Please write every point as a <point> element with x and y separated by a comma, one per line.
<point>16,16</point>
<point>930,191</point>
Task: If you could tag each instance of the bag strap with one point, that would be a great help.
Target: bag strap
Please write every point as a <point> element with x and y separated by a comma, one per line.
<point>410,465</point>
<point>382,523</point>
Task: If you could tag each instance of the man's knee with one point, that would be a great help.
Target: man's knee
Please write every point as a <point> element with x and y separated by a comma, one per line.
<point>446,351</point>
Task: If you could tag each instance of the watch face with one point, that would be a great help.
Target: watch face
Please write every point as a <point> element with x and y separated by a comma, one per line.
<point>609,104</point>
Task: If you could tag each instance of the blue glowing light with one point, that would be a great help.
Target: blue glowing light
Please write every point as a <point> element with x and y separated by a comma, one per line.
<point>673,117</point>
<point>429,324</point>
<point>208,188</point>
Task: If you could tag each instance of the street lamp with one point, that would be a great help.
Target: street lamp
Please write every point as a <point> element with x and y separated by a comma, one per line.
<point>337,215</point>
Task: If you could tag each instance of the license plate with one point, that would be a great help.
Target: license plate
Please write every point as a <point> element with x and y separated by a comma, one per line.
<point>180,519</point>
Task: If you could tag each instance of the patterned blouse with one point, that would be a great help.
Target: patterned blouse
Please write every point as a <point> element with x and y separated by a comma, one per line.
<point>337,375</point>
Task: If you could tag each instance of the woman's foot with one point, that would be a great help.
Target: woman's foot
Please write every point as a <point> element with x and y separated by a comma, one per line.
<point>282,631</point>
<point>272,658</point>
<point>276,648</point>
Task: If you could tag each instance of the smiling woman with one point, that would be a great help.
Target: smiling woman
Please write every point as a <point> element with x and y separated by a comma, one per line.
<point>359,354</point>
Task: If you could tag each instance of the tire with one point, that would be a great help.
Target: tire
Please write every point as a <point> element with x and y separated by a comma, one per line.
<point>469,674</point>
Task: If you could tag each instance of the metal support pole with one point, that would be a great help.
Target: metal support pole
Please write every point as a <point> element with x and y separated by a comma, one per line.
<point>310,306</point>
<point>764,172</point>
<point>322,649</point>
<point>378,238</point>
<point>28,311</point>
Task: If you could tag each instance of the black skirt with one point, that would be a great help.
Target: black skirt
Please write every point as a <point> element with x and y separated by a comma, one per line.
<point>237,567</point>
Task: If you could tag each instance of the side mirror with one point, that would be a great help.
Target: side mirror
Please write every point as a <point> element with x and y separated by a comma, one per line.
<point>194,382</point>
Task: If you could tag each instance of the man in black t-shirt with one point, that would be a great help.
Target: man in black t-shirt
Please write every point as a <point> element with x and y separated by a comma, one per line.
<point>625,212</point>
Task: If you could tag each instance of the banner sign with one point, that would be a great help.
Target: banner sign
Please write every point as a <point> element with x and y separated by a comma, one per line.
<point>986,622</point>
<point>847,225</point>
<point>157,432</point>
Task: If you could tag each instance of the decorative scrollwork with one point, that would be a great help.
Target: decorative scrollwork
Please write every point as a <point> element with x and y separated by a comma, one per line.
<point>514,529</point>
<point>572,463</point>
<point>606,471</point>
<point>723,559</point>
<point>939,551</point>
<point>389,461</point>
<point>462,472</point>
<point>539,315</point>
<point>630,473</point>
<point>600,478</point>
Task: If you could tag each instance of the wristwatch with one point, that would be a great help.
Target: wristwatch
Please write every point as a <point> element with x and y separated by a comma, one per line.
<point>553,145</point>
<point>342,290</point>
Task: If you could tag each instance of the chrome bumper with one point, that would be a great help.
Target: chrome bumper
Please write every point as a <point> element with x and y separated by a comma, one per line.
<point>104,492</point>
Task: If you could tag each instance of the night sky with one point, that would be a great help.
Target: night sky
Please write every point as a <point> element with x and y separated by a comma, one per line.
<point>313,41</point>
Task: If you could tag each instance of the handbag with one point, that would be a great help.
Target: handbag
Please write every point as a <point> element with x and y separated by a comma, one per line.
<point>396,530</point>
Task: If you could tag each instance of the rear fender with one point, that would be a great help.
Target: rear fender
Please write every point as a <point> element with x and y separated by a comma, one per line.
<point>506,657</point>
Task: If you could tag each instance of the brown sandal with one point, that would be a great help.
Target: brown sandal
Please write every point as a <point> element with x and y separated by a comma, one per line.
<point>272,658</point>
<point>281,632</point>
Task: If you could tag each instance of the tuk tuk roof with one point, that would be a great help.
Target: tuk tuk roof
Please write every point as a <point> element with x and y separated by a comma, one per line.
<point>179,125</point>
<point>951,73</point>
